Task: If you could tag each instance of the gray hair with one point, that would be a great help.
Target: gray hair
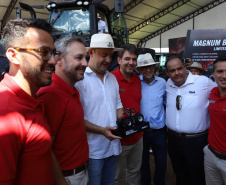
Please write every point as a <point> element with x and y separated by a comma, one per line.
<point>63,43</point>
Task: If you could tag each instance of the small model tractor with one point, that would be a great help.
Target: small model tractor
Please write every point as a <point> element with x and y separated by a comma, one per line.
<point>131,122</point>
<point>129,118</point>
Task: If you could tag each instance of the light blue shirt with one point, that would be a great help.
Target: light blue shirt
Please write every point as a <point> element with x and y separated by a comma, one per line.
<point>152,102</point>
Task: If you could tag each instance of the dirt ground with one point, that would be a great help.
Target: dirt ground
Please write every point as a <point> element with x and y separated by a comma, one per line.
<point>170,176</point>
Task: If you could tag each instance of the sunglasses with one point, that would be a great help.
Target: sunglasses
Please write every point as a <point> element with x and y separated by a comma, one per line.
<point>178,102</point>
<point>45,53</point>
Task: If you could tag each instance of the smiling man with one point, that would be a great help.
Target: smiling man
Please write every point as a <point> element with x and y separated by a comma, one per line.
<point>102,105</point>
<point>65,115</point>
<point>130,92</point>
<point>152,103</point>
<point>187,119</point>
<point>25,143</point>
<point>215,151</point>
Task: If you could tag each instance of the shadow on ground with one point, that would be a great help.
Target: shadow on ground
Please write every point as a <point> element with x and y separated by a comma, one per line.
<point>170,178</point>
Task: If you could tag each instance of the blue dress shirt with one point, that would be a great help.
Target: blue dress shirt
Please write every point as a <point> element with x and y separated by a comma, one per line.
<point>152,102</point>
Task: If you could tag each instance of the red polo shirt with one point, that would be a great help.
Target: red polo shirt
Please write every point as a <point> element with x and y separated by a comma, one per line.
<point>217,130</point>
<point>25,142</point>
<point>65,116</point>
<point>130,93</point>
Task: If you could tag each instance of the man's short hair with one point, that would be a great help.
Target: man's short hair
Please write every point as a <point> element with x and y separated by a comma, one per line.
<point>14,31</point>
<point>219,59</point>
<point>171,58</point>
<point>63,43</point>
<point>130,48</point>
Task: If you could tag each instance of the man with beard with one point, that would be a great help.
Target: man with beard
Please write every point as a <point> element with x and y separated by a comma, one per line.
<point>65,115</point>
<point>25,143</point>
<point>102,104</point>
<point>130,93</point>
<point>187,119</point>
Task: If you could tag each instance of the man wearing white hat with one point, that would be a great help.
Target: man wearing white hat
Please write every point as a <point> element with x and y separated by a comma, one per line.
<point>152,107</point>
<point>99,94</point>
<point>196,69</point>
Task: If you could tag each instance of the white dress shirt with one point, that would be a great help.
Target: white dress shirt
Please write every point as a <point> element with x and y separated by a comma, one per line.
<point>102,27</point>
<point>100,102</point>
<point>193,116</point>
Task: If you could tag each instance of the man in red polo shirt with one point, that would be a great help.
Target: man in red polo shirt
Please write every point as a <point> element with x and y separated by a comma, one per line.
<point>215,151</point>
<point>65,115</point>
<point>130,93</point>
<point>25,142</point>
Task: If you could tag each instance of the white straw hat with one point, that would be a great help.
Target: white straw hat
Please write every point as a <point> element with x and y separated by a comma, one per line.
<point>145,60</point>
<point>102,40</point>
<point>197,65</point>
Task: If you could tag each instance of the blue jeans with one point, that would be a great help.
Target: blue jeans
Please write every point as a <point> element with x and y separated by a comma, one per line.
<point>102,171</point>
<point>156,139</point>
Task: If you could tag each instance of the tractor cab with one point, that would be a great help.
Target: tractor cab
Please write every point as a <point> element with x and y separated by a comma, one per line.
<point>81,18</point>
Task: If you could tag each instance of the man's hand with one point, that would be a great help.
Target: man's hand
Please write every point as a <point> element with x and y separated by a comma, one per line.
<point>107,133</point>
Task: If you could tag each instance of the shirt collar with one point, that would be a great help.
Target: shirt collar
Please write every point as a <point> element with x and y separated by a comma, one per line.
<point>189,80</point>
<point>89,70</point>
<point>155,79</point>
<point>121,77</point>
<point>29,100</point>
<point>63,85</point>
<point>217,93</point>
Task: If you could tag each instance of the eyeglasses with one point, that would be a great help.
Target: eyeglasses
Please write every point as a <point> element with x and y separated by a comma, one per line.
<point>46,53</point>
<point>145,68</point>
<point>178,102</point>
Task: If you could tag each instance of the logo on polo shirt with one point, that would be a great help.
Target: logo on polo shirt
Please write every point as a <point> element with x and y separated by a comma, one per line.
<point>224,109</point>
<point>212,102</point>
<point>122,90</point>
<point>192,92</point>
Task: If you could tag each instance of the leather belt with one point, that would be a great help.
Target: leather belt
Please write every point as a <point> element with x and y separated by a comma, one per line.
<point>155,130</point>
<point>217,154</point>
<point>186,135</point>
<point>75,170</point>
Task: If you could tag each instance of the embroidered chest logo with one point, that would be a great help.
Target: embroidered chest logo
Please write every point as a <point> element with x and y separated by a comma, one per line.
<point>212,102</point>
<point>192,92</point>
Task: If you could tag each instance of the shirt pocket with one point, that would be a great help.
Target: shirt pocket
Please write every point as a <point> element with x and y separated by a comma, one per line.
<point>190,101</point>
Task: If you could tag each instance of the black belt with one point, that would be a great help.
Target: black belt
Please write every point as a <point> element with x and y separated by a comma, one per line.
<point>155,130</point>
<point>75,170</point>
<point>217,154</point>
<point>177,134</point>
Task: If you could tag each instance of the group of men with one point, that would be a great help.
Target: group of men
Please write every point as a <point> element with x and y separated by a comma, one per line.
<point>58,113</point>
